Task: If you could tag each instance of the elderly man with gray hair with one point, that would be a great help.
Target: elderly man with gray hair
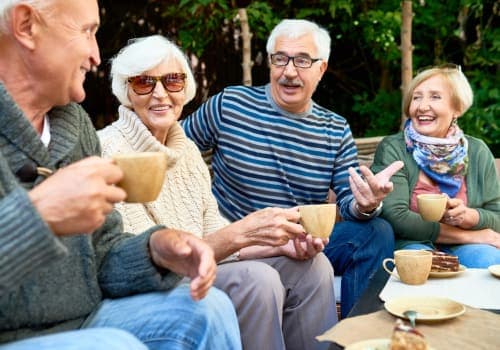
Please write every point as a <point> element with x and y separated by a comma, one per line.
<point>274,146</point>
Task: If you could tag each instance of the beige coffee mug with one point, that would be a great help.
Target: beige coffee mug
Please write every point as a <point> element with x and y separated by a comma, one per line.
<point>318,219</point>
<point>144,173</point>
<point>432,206</point>
<point>413,266</point>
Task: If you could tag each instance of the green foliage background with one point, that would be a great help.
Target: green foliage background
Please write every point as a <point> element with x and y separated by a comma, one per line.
<point>363,80</point>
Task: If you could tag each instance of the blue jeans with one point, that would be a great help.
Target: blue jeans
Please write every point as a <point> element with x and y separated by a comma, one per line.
<point>85,339</point>
<point>162,320</point>
<point>356,250</point>
<point>478,256</point>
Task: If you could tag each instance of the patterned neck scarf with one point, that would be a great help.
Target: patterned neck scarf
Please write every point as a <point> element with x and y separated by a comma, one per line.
<point>444,160</point>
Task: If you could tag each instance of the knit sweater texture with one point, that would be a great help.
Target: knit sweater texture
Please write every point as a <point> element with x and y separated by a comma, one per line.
<point>483,190</point>
<point>265,156</point>
<point>50,283</point>
<point>185,201</point>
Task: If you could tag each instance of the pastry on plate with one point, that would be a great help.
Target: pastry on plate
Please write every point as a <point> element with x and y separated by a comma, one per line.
<point>444,262</point>
<point>405,337</point>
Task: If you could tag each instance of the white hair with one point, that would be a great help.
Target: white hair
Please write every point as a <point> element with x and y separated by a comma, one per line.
<point>6,6</point>
<point>294,28</point>
<point>143,54</point>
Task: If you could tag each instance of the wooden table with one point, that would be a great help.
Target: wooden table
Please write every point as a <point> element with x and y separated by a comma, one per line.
<point>370,302</point>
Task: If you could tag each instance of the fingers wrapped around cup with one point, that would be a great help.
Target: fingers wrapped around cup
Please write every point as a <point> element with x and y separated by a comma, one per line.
<point>318,220</point>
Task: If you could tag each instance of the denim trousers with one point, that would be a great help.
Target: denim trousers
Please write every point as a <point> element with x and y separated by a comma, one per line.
<point>161,320</point>
<point>356,250</point>
<point>478,256</point>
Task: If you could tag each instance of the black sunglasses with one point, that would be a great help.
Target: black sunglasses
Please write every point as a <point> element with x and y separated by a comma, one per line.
<point>145,84</point>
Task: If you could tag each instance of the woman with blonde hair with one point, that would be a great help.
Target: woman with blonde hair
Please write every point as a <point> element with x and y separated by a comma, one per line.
<point>439,158</point>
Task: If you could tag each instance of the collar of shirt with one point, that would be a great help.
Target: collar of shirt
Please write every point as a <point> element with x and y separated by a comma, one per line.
<point>45,137</point>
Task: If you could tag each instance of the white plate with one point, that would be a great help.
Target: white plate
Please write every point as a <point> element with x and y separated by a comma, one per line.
<point>494,270</point>
<point>373,344</point>
<point>446,274</point>
<point>427,308</point>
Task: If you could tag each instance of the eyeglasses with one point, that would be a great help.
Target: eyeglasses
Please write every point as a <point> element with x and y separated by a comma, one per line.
<point>281,60</point>
<point>449,66</point>
<point>145,84</point>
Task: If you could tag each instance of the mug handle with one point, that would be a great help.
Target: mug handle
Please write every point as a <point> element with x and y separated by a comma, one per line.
<point>384,263</point>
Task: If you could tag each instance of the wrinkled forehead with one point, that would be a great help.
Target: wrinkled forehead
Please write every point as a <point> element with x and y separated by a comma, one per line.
<point>81,11</point>
<point>303,44</point>
<point>167,65</point>
<point>436,83</point>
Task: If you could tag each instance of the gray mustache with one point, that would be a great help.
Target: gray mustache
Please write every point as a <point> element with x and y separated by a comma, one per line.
<point>285,81</point>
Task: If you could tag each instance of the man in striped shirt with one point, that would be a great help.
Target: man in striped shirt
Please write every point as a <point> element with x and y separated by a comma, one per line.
<point>274,146</point>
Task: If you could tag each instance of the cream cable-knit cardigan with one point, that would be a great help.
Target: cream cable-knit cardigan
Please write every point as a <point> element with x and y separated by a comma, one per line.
<point>185,201</point>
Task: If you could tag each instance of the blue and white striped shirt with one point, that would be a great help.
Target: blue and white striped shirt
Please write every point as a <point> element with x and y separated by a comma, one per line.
<point>264,156</point>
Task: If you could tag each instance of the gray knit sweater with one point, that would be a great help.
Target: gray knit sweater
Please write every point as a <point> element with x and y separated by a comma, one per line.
<point>49,283</point>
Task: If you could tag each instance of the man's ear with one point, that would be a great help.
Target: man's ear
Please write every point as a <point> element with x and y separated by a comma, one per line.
<point>322,68</point>
<point>23,24</point>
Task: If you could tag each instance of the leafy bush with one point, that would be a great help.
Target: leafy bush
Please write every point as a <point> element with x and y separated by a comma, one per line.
<point>363,78</point>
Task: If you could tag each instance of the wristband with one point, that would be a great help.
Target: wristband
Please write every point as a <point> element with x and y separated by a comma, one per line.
<point>371,213</point>
<point>236,255</point>
<point>231,258</point>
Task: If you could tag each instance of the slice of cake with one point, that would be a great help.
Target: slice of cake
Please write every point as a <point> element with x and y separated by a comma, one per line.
<point>405,337</point>
<point>444,262</point>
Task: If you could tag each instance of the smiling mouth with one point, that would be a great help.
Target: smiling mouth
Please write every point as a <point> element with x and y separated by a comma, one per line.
<point>426,118</point>
<point>290,88</point>
<point>159,108</point>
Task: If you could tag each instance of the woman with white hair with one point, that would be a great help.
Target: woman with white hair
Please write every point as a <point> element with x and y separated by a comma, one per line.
<point>439,158</point>
<point>152,79</point>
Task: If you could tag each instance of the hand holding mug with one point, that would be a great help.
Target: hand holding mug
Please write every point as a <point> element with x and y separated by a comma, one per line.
<point>77,198</point>
<point>458,214</point>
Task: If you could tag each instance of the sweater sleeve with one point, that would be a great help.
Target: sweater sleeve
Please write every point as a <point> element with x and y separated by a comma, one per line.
<point>26,242</point>
<point>407,224</point>
<point>126,268</point>
<point>483,187</point>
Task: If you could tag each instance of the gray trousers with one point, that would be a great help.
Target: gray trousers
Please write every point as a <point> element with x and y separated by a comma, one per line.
<point>281,303</point>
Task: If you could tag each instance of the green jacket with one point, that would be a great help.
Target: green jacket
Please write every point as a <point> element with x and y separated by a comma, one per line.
<point>483,190</point>
<point>49,283</point>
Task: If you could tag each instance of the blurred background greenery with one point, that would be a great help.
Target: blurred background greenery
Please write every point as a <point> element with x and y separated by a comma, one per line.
<point>363,79</point>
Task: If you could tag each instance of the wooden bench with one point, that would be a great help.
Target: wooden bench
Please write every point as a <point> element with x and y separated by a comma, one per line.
<point>366,148</point>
